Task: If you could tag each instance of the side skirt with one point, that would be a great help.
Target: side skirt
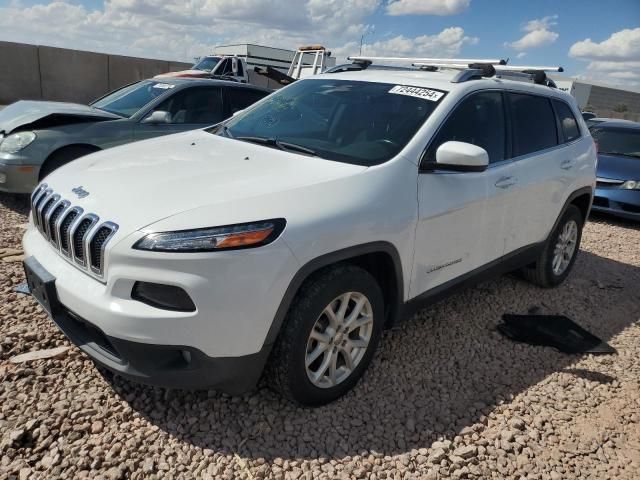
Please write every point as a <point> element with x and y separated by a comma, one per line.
<point>508,263</point>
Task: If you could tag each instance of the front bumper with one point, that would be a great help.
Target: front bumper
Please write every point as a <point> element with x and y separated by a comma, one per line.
<point>18,178</point>
<point>236,293</point>
<point>618,202</point>
<point>170,366</point>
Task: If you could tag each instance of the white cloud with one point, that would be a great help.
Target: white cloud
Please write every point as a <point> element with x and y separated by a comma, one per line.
<point>544,23</point>
<point>615,60</point>
<point>538,34</point>
<point>181,29</point>
<point>622,45</point>
<point>427,7</point>
<point>447,43</point>
<point>521,55</point>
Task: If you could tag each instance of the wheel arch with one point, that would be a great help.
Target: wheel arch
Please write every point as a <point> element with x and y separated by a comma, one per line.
<point>581,198</point>
<point>380,259</point>
<point>57,151</point>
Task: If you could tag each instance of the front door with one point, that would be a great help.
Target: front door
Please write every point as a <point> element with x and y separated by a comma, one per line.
<point>188,109</point>
<point>461,214</point>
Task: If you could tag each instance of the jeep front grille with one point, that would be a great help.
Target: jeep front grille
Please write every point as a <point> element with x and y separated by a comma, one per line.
<point>79,236</point>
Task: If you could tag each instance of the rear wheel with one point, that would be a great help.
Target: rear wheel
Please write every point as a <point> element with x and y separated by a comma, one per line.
<point>329,337</point>
<point>559,254</point>
<point>64,156</point>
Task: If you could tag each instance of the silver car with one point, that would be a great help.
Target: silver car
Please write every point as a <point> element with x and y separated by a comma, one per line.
<point>38,137</point>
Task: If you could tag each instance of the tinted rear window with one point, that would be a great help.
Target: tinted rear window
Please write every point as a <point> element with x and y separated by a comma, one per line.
<point>533,123</point>
<point>568,123</point>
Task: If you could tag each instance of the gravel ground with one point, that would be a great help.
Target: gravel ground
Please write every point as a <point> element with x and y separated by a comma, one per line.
<point>446,396</point>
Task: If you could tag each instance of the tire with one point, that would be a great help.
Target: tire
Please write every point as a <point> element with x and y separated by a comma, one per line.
<point>288,370</point>
<point>542,272</point>
<point>64,156</point>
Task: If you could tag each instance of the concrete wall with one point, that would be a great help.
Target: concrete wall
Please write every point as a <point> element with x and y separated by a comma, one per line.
<point>19,72</point>
<point>31,72</point>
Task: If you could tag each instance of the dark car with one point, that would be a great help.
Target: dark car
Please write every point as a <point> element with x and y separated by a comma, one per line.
<point>38,137</point>
<point>618,182</point>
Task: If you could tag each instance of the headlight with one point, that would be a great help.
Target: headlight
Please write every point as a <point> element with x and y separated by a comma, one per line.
<point>16,142</point>
<point>631,185</point>
<point>230,237</point>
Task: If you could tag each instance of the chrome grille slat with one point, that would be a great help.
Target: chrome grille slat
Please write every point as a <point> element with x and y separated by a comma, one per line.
<point>35,196</point>
<point>96,242</point>
<point>42,199</point>
<point>58,211</point>
<point>78,236</point>
<point>64,227</point>
<point>47,211</point>
<point>46,207</point>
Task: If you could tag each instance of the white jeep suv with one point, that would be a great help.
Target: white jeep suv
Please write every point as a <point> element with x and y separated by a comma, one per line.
<point>286,239</point>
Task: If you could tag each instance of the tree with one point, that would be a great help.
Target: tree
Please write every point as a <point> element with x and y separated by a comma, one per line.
<point>620,108</point>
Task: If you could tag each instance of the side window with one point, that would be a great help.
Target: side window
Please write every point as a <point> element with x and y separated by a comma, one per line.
<point>241,98</point>
<point>198,105</point>
<point>479,120</point>
<point>568,123</point>
<point>226,68</point>
<point>533,123</point>
<point>240,72</point>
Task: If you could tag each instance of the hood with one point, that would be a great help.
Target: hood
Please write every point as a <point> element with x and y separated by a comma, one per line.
<point>618,167</point>
<point>27,112</point>
<point>141,183</point>
<point>185,73</point>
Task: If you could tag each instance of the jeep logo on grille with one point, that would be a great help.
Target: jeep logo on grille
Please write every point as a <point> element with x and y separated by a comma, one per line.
<point>80,192</point>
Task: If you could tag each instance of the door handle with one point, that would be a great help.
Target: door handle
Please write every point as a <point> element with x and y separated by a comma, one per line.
<point>506,182</point>
<point>567,164</point>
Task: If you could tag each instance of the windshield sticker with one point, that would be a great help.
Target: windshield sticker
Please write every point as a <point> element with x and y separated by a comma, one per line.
<point>163,86</point>
<point>424,93</point>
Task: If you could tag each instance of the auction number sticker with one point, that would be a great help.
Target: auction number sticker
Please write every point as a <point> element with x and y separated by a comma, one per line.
<point>424,93</point>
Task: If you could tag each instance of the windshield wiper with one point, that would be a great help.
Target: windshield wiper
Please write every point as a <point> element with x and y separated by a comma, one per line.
<point>633,155</point>
<point>274,142</point>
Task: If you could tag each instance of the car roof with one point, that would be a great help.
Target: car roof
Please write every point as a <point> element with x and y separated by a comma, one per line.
<point>441,80</point>
<point>192,82</point>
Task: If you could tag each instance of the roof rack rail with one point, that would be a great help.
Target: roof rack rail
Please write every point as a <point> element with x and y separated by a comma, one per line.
<point>470,68</point>
<point>414,60</point>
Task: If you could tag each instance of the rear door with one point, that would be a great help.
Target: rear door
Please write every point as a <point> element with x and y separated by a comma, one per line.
<point>189,108</point>
<point>461,214</point>
<point>540,165</point>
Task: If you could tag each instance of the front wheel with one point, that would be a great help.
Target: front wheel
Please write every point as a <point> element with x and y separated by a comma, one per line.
<point>559,254</point>
<point>329,336</point>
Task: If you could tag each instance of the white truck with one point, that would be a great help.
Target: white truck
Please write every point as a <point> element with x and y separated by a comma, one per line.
<point>217,67</point>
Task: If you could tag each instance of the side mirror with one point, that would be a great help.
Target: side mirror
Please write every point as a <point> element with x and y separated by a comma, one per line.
<point>158,116</point>
<point>461,157</point>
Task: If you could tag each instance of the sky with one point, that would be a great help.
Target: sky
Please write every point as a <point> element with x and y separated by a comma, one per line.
<point>596,40</point>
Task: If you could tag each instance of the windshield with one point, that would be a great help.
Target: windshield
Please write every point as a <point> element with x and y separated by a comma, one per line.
<point>348,121</point>
<point>206,64</point>
<point>128,100</point>
<point>617,141</point>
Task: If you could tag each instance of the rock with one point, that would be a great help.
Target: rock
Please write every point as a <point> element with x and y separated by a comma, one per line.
<point>40,355</point>
<point>466,452</point>
<point>517,423</point>
<point>437,455</point>
<point>10,252</point>
<point>97,427</point>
